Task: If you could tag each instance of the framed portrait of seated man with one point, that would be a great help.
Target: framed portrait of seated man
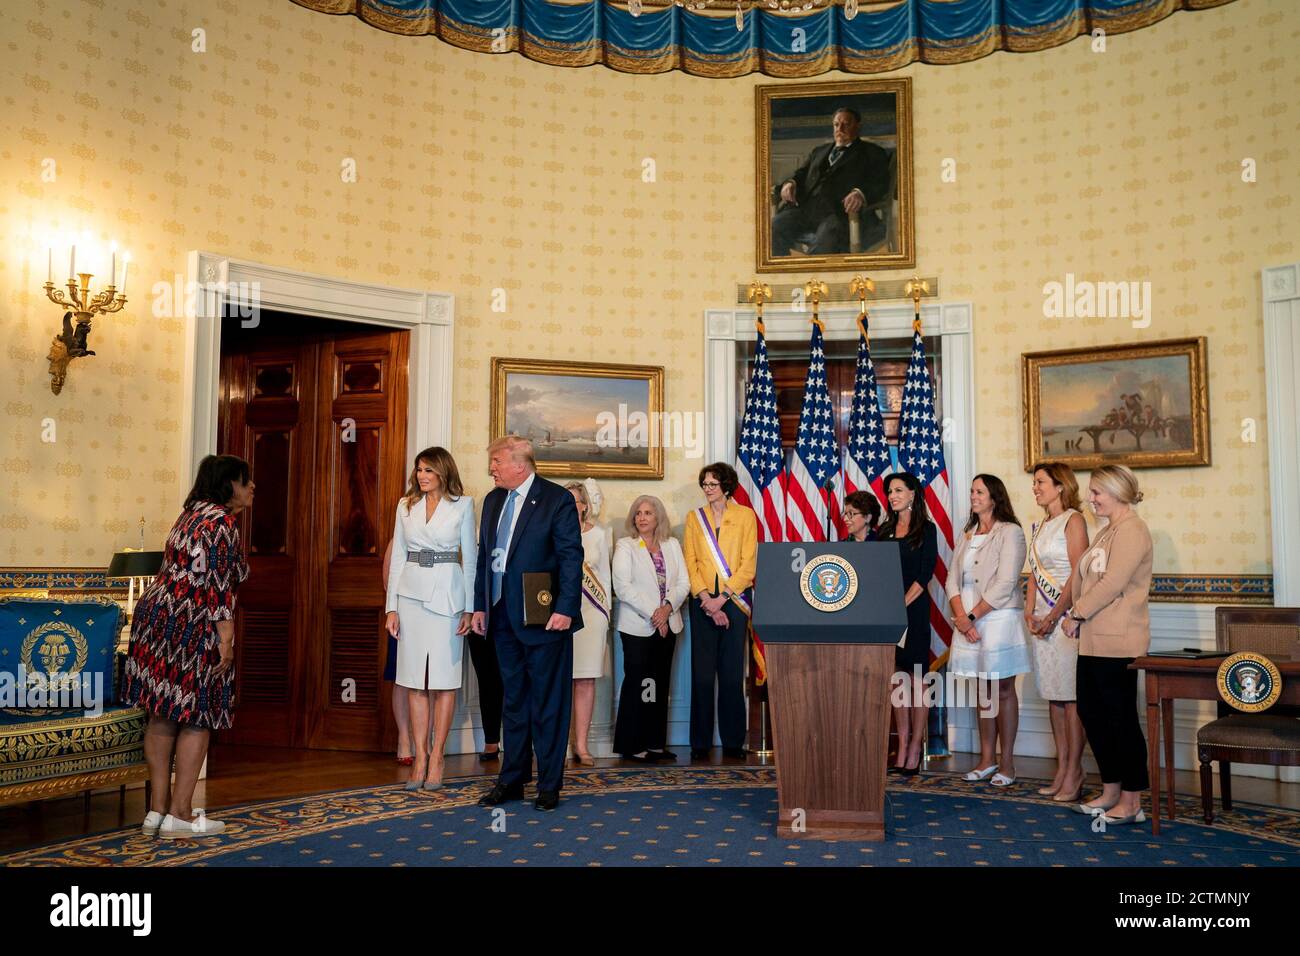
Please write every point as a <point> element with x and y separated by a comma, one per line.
<point>834,176</point>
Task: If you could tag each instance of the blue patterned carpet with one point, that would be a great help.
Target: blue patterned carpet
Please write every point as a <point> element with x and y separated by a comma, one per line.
<point>706,816</point>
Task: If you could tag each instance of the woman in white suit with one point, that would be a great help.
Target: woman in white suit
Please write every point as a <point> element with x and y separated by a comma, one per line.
<point>430,597</point>
<point>651,583</point>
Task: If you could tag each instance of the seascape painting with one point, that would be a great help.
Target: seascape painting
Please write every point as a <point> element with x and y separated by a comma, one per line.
<point>1143,406</point>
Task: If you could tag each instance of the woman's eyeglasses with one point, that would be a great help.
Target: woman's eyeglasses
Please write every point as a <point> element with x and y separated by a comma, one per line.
<point>710,484</point>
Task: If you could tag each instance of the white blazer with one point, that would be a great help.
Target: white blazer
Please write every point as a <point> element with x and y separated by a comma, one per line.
<point>444,588</point>
<point>637,588</point>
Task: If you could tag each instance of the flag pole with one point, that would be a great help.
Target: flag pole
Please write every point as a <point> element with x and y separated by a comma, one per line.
<point>814,289</point>
<point>860,286</point>
<point>916,287</point>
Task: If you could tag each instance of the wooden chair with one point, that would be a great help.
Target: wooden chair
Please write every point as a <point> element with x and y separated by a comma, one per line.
<point>1272,737</point>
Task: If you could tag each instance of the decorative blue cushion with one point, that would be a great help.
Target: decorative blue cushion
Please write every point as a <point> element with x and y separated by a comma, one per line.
<point>64,649</point>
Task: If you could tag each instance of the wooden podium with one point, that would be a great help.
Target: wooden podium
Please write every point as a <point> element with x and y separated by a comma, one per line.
<point>828,683</point>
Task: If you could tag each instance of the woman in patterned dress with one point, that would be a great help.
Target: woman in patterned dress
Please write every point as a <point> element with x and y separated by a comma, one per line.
<point>1056,546</point>
<point>180,665</point>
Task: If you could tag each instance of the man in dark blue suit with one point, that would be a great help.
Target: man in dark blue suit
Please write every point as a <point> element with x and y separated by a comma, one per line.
<point>529,525</point>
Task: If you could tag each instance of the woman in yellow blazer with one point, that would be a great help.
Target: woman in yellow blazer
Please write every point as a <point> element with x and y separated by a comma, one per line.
<point>721,553</point>
<point>1111,618</point>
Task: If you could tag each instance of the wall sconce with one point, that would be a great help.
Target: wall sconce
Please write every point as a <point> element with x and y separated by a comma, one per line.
<point>71,342</point>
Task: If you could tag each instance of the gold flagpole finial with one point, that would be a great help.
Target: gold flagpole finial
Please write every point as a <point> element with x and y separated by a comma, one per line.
<point>916,287</point>
<point>815,289</point>
<point>861,286</point>
<point>759,292</point>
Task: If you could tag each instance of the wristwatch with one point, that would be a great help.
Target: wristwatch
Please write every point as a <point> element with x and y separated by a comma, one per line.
<point>971,615</point>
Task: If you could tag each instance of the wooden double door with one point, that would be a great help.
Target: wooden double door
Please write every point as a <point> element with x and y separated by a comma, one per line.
<point>319,410</point>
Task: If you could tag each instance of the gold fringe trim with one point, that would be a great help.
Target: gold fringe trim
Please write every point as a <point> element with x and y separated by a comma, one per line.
<point>591,53</point>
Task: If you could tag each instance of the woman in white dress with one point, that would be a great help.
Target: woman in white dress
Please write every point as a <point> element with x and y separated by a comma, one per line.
<point>1055,549</point>
<point>430,596</point>
<point>590,647</point>
<point>984,592</point>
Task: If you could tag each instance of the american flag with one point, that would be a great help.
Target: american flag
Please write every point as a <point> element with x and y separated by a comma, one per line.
<point>816,458</point>
<point>759,459</point>
<point>920,451</point>
<point>866,456</point>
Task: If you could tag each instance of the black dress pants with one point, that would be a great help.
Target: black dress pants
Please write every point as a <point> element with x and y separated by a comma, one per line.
<point>643,707</point>
<point>1106,696</point>
<point>483,652</point>
<point>718,655</point>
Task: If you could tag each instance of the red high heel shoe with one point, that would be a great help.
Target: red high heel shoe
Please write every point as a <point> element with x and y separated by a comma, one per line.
<point>405,761</point>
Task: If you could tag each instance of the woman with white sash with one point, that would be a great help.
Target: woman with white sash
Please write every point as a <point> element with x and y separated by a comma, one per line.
<point>590,649</point>
<point>1056,546</point>
<point>721,558</point>
<point>651,583</point>
<point>430,597</point>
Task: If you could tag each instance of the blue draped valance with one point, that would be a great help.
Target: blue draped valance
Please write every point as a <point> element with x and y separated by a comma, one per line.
<point>884,35</point>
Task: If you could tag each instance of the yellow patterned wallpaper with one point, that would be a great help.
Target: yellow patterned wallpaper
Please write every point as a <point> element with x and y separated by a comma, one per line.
<point>478,172</point>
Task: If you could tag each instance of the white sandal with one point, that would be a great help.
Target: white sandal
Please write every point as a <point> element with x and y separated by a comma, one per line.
<point>1002,780</point>
<point>976,775</point>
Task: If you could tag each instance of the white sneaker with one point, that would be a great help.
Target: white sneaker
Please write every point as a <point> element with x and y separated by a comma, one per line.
<point>174,829</point>
<point>152,820</point>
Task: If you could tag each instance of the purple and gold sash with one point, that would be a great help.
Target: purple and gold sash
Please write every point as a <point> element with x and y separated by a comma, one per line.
<point>720,562</point>
<point>593,591</point>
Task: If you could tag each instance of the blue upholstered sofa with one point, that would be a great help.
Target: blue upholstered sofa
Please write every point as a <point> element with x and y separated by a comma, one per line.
<point>48,750</point>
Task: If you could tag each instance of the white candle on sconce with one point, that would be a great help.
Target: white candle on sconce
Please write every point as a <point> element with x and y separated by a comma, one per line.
<point>112,268</point>
<point>126,264</point>
<point>49,265</point>
<point>72,264</point>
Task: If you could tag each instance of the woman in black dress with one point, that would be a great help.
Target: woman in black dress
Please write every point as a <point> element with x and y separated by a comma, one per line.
<point>909,523</point>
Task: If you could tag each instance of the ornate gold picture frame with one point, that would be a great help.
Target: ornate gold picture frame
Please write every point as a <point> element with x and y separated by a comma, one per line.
<point>1144,405</point>
<point>585,419</point>
<point>798,127</point>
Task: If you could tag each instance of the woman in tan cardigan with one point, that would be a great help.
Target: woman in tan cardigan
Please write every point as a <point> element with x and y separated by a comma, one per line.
<point>1111,618</point>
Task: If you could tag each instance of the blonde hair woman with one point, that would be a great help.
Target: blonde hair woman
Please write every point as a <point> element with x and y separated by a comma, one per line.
<point>651,582</point>
<point>1112,619</point>
<point>589,646</point>
<point>430,596</point>
<point>1056,545</point>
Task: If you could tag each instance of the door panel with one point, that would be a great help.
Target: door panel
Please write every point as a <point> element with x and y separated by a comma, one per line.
<point>265,417</point>
<point>362,442</point>
<point>320,414</point>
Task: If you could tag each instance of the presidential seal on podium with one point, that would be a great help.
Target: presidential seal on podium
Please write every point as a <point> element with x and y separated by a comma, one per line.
<point>828,583</point>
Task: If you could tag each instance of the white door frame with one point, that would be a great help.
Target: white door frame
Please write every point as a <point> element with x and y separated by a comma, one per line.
<point>429,317</point>
<point>1282,377</point>
<point>211,278</point>
<point>1281,287</point>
